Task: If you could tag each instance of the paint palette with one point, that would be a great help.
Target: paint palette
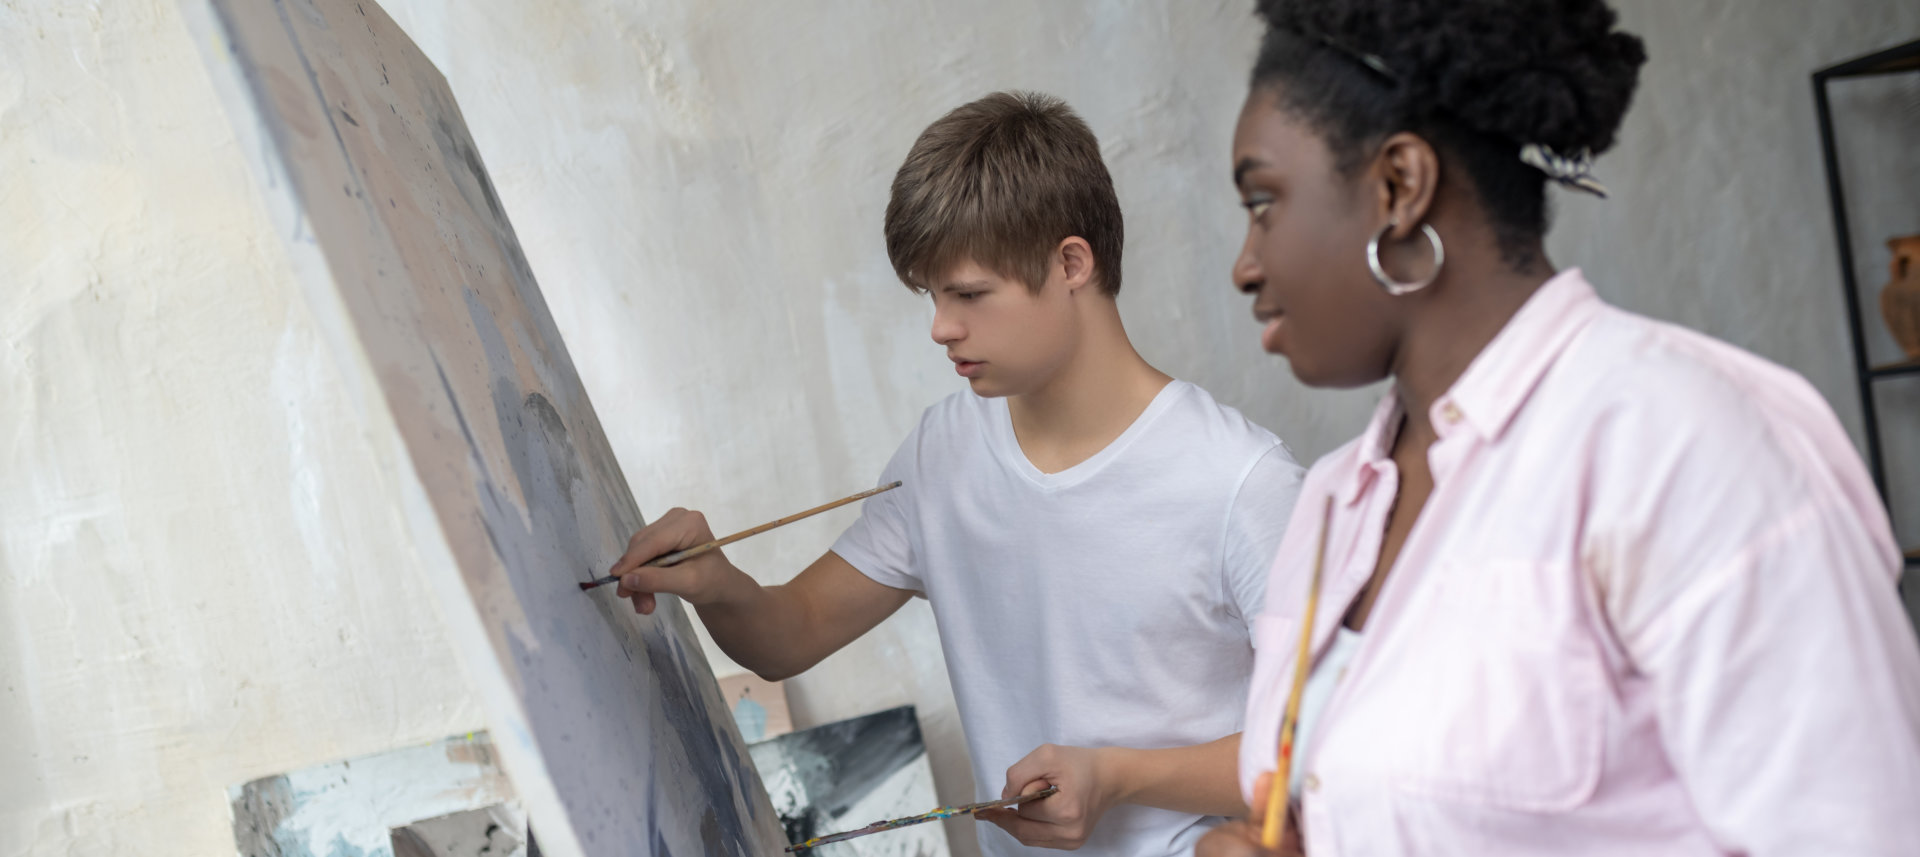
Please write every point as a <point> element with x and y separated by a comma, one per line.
<point>932,815</point>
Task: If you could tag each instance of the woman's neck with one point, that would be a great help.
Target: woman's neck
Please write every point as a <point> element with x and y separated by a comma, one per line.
<point>1443,336</point>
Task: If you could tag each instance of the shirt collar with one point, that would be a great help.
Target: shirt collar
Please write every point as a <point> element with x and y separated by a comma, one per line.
<point>1373,448</point>
<point>1498,381</point>
<point>1504,374</point>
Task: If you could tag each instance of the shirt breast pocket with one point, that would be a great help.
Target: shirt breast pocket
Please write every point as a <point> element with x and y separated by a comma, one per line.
<point>1505,687</point>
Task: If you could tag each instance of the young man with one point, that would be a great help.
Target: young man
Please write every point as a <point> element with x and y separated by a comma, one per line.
<point>1092,535</point>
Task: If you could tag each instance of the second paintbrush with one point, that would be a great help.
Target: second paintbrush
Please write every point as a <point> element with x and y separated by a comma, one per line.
<point>689,553</point>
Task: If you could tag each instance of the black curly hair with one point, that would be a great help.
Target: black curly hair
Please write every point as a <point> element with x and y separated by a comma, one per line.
<point>1478,79</point>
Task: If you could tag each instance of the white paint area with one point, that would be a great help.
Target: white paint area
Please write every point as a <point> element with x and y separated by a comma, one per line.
<point>350,807</point>
<point>201,581</point>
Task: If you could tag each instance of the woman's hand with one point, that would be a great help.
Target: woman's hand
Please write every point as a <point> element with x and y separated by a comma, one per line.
<point>1241,837</point>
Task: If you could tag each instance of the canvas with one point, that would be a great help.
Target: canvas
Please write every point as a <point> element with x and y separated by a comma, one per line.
<point>609,724</point>
<point>350,807</point>
<point>495,831</point>
<point>848,774</point>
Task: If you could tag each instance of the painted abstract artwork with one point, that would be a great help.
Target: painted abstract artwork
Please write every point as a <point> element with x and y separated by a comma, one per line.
<point>849,774</point>
<point>609,724</point>
<point>495,831</point>
<point>355,806</point>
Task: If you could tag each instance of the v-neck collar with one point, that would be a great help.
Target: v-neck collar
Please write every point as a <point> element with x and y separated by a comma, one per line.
<point>1006,444</point>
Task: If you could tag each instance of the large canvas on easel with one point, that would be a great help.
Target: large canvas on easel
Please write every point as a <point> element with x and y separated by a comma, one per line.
<point>609,724</point>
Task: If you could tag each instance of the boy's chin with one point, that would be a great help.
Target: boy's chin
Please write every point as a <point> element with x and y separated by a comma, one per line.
<point>987,388</point>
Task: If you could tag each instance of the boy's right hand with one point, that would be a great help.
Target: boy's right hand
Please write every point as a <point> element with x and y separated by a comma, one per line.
<point>700,580</point>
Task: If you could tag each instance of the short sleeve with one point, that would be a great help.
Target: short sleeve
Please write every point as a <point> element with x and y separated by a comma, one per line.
<point>1255,524</point>
<point>879,543</point>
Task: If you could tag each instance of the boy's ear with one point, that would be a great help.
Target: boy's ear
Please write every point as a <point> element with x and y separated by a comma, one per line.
<point>1075,257</point>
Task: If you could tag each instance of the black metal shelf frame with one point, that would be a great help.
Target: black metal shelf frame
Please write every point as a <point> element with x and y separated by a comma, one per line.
<point>1895,60</point>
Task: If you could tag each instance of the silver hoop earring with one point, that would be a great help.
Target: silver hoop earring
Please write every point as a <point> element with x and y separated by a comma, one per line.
<point>1395,287</point>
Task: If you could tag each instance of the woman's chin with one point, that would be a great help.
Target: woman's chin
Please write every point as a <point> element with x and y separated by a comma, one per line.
<point>1307,376</point>
<point>1314,373</point>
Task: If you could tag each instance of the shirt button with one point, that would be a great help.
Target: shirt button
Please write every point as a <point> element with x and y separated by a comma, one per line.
<point>1313,783</point>
<point>1450,412</point>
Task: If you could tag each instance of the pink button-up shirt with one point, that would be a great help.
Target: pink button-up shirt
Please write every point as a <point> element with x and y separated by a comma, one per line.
<point>1648,609</point>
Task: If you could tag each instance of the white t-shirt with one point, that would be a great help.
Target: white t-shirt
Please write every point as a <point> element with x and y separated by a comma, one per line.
<point>1109,604</point>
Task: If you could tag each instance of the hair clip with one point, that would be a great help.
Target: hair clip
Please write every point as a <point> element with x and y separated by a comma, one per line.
<point>1574,171</point>
<point>1372,61</point>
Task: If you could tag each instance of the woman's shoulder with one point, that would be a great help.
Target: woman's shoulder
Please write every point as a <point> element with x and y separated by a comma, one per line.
<point>1656,375</point>
<point>1668,411</point>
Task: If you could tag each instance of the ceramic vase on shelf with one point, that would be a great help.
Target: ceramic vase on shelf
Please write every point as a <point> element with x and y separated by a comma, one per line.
<point>1900,300</point>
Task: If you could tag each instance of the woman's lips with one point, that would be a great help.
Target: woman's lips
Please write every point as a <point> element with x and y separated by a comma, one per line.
<point>1270,335</point>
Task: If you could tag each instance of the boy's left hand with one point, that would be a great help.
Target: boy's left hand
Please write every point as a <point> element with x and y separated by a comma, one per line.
<point>1066,819</point>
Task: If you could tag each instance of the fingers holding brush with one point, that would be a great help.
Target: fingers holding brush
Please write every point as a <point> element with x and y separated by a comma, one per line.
<point>1031,831</point>
<point>679,538</point>
<point>696,578</point>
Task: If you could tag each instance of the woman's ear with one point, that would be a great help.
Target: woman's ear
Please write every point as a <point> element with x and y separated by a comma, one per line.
<point>1408,175</point>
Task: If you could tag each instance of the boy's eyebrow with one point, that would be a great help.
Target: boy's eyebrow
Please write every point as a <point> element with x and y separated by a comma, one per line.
<point>1246,164</point>
<point>970,284</point>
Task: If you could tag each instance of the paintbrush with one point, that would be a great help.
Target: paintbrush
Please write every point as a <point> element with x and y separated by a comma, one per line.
<point>922,818</point>
<point>1274,828</point>
<point>696,550</point>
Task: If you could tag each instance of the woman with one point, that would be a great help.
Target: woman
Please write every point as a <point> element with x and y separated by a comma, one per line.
<point>1591,584</point>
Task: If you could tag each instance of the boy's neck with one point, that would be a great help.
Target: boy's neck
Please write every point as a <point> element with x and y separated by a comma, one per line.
<point>1091,401</point>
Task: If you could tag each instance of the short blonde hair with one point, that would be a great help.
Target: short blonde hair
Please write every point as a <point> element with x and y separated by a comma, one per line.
<point>1002,181</point>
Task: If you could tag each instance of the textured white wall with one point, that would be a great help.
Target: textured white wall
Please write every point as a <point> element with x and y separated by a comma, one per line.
<point>200,581</point>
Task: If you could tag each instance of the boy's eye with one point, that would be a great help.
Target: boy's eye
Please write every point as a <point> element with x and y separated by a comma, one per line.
<point>966,296</point>
<point>1257,207</point>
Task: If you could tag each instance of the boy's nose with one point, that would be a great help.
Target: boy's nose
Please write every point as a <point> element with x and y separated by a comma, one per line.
<point>945,330</point>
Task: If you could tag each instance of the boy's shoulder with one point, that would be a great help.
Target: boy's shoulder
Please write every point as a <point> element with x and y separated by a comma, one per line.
<point>1216,443</point>
<point>1195,437</point>
<point>960,414</point>
<point>1182,409</point>
<point>1185,436</point>
<point>1208,422</point>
